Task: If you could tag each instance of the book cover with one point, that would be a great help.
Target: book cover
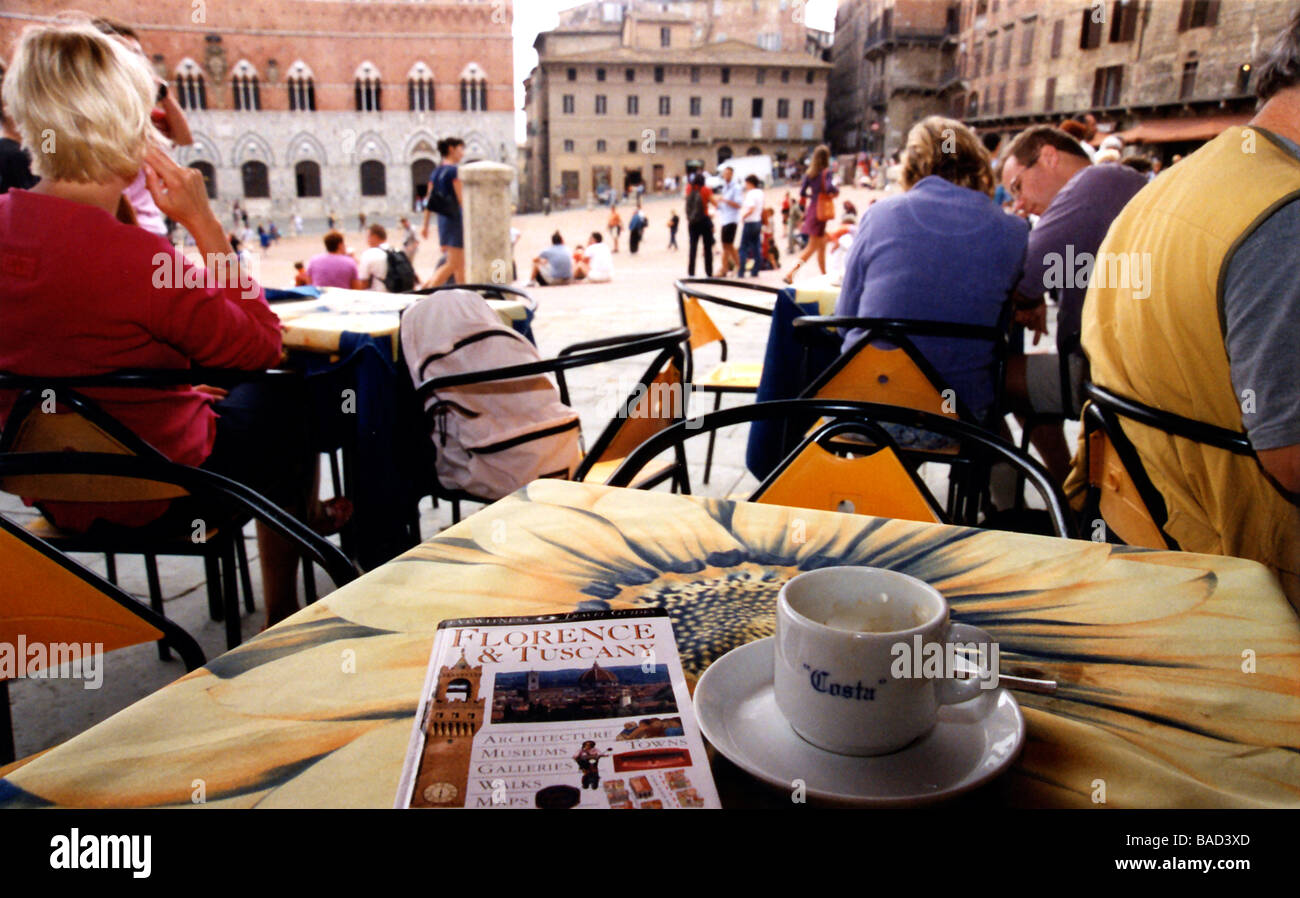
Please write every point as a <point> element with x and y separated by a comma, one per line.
<point>579,710</point>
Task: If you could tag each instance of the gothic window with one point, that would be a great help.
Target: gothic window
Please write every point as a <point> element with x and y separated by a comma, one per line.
<point>419,86</point>
<point>244,87</point>
<point>368,88</point>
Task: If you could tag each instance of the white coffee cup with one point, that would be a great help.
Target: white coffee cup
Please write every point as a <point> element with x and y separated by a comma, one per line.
<point>846,642</point>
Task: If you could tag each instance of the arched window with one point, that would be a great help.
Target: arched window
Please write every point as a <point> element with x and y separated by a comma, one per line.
<point>257,184</point>
<point>191,92</point>
<point>421,171</point>
<point>243,84</point>
<point>306,174</point>
<point>419,88</point>
<point>974,108</point>
<point>302,88</point>
<point>724,153</point>
<point>473,88</point>
<point>753,151</point>
<point>368,88</point>
<point>209,177</point>
<point>373,181</point>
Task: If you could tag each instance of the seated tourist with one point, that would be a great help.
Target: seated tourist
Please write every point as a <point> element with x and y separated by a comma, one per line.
<point>335,267</point>
<point>94,96</point>
<point>1211,333</point>
<point>940,251</point>
<point>597,264</point>
<point>554,265</point>
<point>1048,175</point>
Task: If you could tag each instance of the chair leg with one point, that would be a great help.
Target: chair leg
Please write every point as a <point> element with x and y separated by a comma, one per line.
<point>335,478</point>
<point>230,592</point>
<point>213,572</point>
<point>245,576</point>
<point>7,751</point>
<point>708,455</point>
<point>155,600</point>
<point>110,567</point>
<point>455,511</point>
<point>308,582</point>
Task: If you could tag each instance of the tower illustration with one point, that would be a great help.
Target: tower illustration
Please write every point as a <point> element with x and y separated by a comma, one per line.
<point>454,715</point>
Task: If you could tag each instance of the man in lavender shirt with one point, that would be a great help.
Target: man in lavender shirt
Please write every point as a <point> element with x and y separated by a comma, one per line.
<point>1049,175</point>
<point>334,267</point>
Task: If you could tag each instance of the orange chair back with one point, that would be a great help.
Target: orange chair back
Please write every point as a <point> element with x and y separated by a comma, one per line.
<point>43,601</point>
<point>1119,500</point>
<point>703,329</point>
<point>658,408</point>
<point>71,432</point>
<point>887,376</point>
<point>877,484</point>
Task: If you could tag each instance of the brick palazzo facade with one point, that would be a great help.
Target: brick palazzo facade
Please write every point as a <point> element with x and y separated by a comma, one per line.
<point>636,93</point>
<point>1167,74</point>
<point>308,106</point>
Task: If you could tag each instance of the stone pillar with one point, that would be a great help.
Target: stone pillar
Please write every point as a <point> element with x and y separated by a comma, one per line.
<point>486,190</point>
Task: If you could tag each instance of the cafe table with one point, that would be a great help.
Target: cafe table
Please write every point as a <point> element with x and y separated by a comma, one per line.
<point>1178,673</point>
<point>317,325</point>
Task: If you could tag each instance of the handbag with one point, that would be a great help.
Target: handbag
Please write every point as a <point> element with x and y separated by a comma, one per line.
<point>825,204</point>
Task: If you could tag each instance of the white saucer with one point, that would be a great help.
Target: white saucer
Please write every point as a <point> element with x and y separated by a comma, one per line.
<point>972,742</point>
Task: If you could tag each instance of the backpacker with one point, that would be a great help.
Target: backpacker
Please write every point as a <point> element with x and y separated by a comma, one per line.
<point>400,276</point>
<point>695,208</point>
<point>490,438</point>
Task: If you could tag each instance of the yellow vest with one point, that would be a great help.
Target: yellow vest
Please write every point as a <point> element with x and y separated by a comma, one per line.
<point>1166,349</point>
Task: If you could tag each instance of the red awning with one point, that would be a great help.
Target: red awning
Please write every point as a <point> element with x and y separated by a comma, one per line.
<point>1177,130</point>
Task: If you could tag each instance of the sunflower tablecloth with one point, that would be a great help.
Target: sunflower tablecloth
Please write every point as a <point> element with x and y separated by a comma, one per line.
<point>1179,673</point>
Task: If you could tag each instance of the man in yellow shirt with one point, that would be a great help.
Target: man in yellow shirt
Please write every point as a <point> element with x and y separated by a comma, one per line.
<point>1212,334</point>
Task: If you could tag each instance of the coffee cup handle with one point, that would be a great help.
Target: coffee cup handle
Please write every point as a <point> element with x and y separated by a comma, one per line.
<point>953,691</point>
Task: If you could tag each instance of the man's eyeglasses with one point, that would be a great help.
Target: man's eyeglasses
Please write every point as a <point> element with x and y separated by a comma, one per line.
<point>1014,186</point>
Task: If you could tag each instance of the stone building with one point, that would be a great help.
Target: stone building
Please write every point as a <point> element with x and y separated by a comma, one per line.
<point>623,97</point>
<point>312,106</point>
<point>1167,73</point>
<point>892,64</point>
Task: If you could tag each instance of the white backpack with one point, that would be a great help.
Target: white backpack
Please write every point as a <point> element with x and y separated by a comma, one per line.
<point>491,438</point>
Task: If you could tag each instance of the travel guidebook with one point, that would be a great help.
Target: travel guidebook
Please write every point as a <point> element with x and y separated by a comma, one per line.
<point>581,710</point>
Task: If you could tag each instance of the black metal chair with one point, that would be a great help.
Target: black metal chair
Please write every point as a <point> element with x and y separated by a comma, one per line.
<point>76,455</point>
<point>902,376</point>
<point>634,422</point>
<point>726,376</point>
<point>866,421</point>
<point>1120,492</point>
<point>47,597</point>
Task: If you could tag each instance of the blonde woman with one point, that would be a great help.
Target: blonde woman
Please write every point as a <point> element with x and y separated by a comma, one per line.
<point>87,294</point>
<point>940,251</point>
<point>816,182</point>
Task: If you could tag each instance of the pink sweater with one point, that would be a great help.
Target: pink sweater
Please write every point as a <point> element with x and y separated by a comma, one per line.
<point>82,293</point>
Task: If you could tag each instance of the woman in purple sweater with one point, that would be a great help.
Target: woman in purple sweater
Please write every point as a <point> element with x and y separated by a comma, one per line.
<point>940,251</point>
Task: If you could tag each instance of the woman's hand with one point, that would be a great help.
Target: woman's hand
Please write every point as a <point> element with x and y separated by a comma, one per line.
<point>178,191</point>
